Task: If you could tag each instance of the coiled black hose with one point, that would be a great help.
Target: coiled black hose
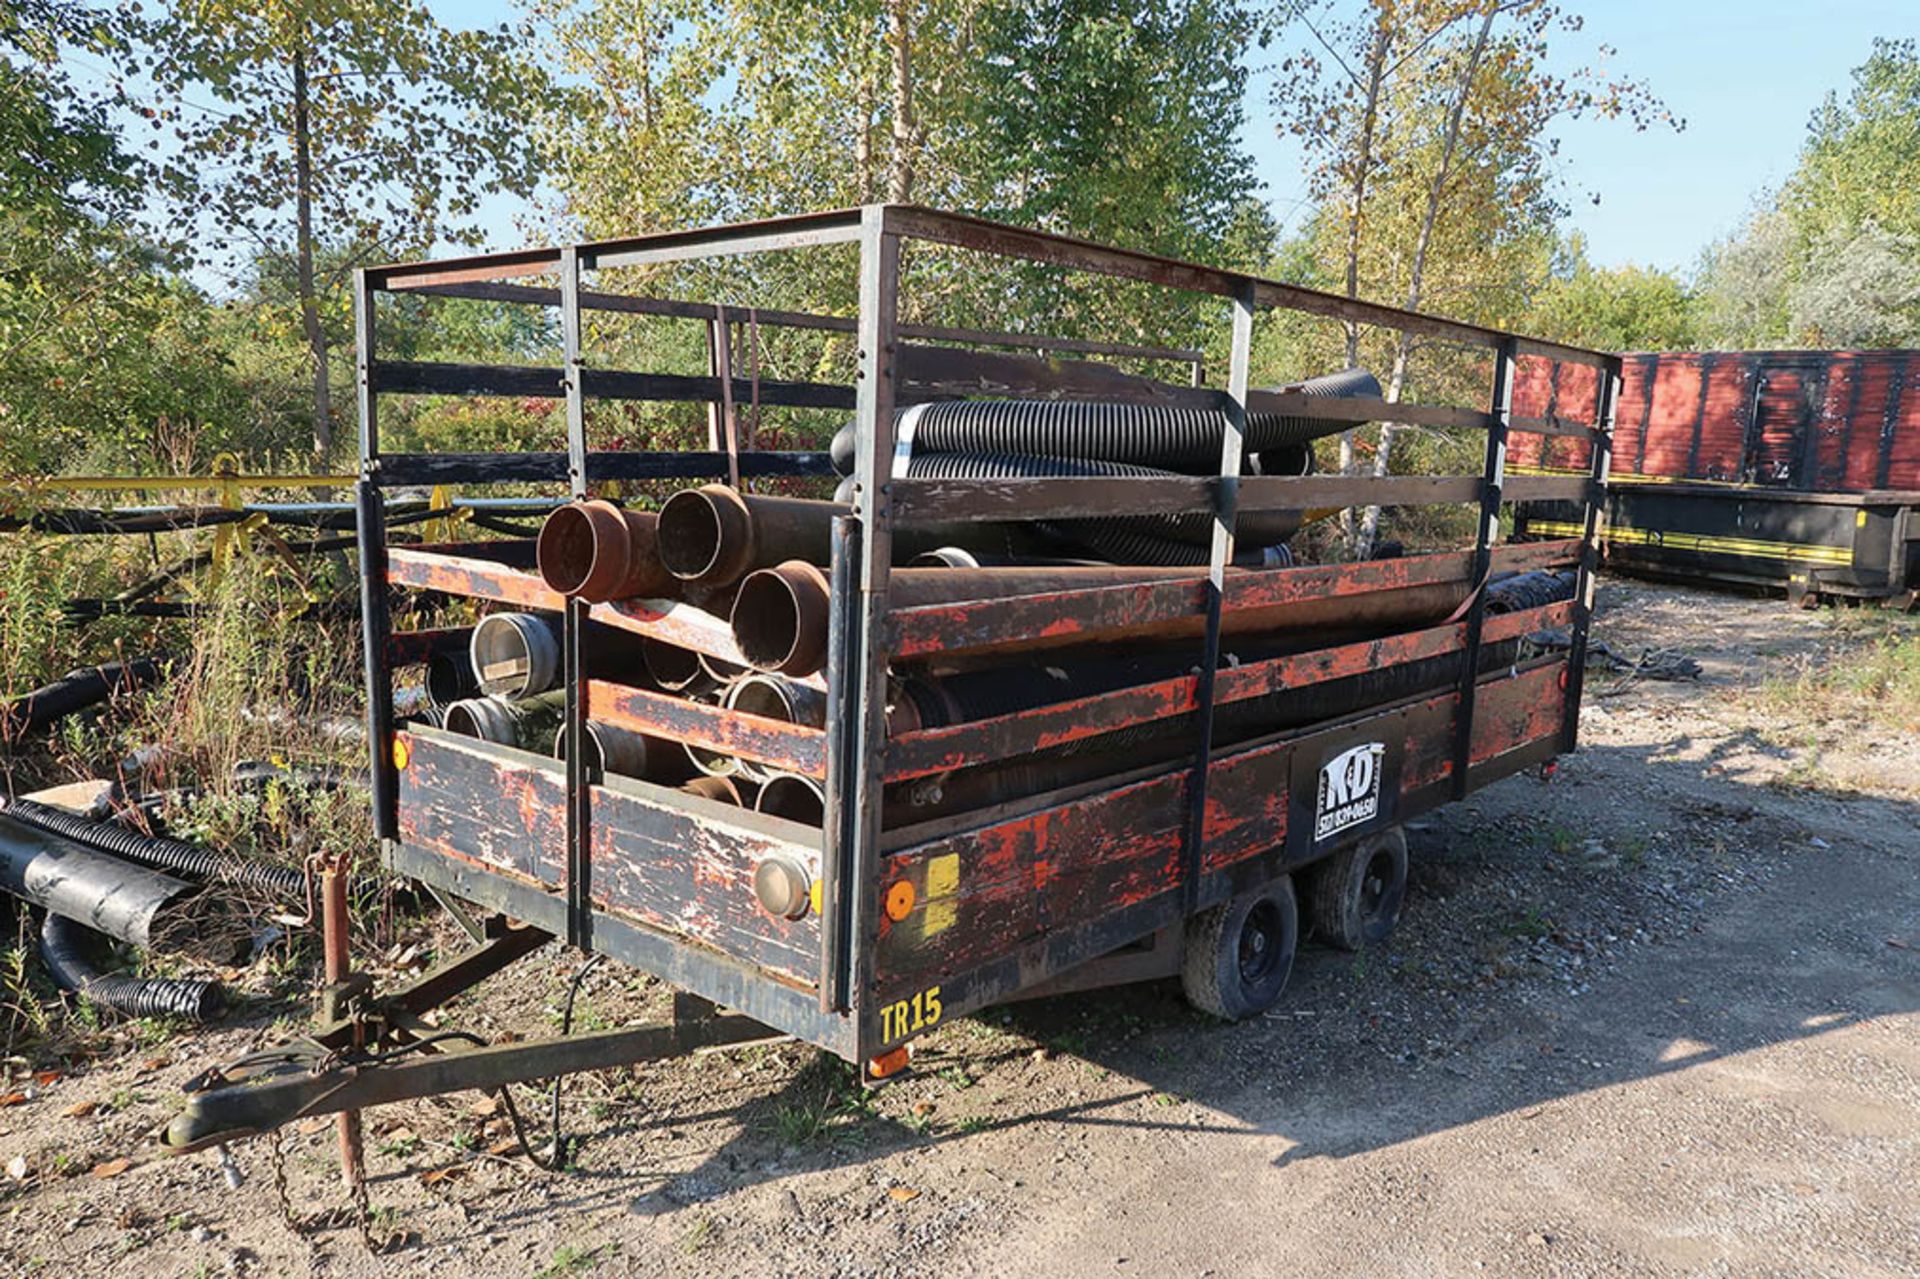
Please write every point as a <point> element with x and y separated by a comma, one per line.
<point>1529,590</point>
<point>1179,439</point>
<point>64,945</point>
<point>159,852</point>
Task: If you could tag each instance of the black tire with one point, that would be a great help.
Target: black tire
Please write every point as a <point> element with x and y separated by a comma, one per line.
<point>1239,954</point>
<point>1357,894</point>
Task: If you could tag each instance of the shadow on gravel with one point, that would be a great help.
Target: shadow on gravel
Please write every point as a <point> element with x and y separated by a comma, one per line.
<point>1526,972</point>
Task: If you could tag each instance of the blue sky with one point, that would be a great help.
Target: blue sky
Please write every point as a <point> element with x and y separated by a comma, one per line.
<point>1745,74</point>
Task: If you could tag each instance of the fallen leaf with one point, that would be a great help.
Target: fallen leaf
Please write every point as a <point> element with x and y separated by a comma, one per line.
<point>111,1168</point>
<point>510,1146</point>
<point>484,1107</point>
<point>1897,944</point>
<point>156,1063</point>
<point>13,1099</point>
<point>81,1109</point>
<point>435,1176</point>
<point>903,1194</point>
<point>17,1167</point>
<point>45,1077</point>
<point>308,1127</point>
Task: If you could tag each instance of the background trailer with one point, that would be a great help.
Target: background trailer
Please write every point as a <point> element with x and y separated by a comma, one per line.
<point>1791,469</point>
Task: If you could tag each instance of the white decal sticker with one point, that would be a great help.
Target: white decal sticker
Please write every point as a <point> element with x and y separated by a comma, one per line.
<point>1349,789</point>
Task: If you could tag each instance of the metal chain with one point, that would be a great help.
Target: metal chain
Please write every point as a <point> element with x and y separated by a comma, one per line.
<point>363,1217</point>
<point>361,1210</point>
<point>277,1157</point>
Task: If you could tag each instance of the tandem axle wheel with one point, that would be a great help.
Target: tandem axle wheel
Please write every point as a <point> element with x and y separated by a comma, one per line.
<point>1238,955</point>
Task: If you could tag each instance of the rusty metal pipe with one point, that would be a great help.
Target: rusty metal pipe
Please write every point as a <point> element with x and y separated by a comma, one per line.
<point>597,551</point>
<point>336,951</point>
<point>798,799</point>
<point>621,750</point>
<point>713,535</point>
<point>780,616</point>
<point>675,669</point>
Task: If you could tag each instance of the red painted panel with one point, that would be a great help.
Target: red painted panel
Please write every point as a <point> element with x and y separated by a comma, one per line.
<point>1864,426</point>
<point>980,895</point>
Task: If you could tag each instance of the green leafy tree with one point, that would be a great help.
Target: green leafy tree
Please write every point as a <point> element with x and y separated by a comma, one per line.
<point>344,122</point>
<point>1630,308</point>
<point>1833,257</point>
<point>107,359</point>
<point>1430,129</point>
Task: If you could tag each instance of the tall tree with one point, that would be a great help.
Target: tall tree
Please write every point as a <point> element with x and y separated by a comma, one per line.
<point>1429,124</point>
<point>348,122</point>
<point>1833,257</point>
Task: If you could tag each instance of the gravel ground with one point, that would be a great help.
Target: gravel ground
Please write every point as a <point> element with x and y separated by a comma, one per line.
<point>1658,1015</point>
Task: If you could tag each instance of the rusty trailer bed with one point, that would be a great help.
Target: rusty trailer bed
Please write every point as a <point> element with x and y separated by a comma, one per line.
<point>915,923</point>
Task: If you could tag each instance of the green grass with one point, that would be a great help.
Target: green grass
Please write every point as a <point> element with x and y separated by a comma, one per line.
<point>1876,678</point>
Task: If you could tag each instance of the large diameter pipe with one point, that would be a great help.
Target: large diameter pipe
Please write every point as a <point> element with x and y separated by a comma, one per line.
<point>714,535</point>
<point>780,616</point>
<point>527,724</point>
<point>798,799</point>
<point>516,654</point>
<point>596,551</point>
<point>130,903</point>
<point>611,749</point>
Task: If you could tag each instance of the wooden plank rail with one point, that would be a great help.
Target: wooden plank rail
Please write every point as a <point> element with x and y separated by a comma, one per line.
<point>929,629</point>
<point>791,748</point>
<point>1002,737</point>
<point>469,576</point>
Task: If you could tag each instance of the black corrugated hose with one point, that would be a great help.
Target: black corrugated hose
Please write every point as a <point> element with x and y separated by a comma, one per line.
<point>1178,439</point>
<point>64,945</point>
<point>160,852</point>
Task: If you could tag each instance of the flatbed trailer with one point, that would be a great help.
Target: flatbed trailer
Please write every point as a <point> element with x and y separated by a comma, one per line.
<point>1180,863</point>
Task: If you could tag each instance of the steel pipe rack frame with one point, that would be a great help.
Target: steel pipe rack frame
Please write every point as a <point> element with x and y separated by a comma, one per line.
<point>836,995</point>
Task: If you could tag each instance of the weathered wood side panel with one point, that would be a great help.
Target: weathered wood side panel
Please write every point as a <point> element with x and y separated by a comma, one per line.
<point>484,804</point>
<point>685,866</point>
<point>983,894</point>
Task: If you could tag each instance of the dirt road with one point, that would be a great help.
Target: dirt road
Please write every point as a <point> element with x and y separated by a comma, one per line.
<point>1660,1015</point>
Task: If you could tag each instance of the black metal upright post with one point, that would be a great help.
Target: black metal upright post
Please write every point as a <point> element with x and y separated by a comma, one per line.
<point>1594,514</point>
<point>371,533</point>
<point>873,470</point>
<point>840,825</point>
<point>573,629</point>
<point>1493,479</point>
<point>1225,517</point>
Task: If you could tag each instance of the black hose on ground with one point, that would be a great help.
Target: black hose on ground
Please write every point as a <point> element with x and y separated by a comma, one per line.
<point>77,690</point>
<point>159,852</point>
<point>64,945</point>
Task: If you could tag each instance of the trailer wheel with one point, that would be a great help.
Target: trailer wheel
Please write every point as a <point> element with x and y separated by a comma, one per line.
<point>1239,954</point>
<point>1357,894</point>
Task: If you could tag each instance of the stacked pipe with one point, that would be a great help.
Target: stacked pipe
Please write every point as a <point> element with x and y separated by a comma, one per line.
<point>1035,439</point>
<point>763,562</point>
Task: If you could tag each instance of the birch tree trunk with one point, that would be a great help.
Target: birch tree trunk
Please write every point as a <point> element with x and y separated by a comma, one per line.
<point>1416,278</point>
